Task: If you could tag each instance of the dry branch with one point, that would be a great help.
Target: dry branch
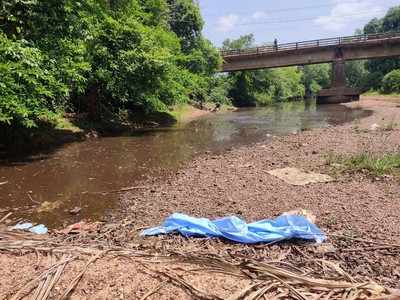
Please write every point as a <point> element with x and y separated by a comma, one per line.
<point>279,279</point>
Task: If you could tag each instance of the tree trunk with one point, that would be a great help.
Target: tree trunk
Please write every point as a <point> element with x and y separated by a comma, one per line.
<point>93,105</point>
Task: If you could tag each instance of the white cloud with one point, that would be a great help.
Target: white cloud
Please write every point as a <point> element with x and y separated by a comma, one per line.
<point>343,14</point>
<point>259,15</point>
<point>227,23</point>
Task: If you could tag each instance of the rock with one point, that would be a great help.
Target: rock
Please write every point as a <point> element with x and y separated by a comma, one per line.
<point>336,165</point>
<point>80,227</point>
<point>374,127</point>
<point>295,176</point>
<point>304,213</point>
<point>325,249</point>
<point>47,206</point>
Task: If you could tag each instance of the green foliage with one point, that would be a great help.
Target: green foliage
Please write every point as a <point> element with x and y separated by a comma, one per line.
<point>102,57</point>
<point>245,41</point>
<point>373,26</point>
<point>243,88</point>
<point>266,86</point>
<point>378,68</point>
<point>262,87</point>
<point>285,84</point>
<point>219,87</point>
<point>377,165</point>
<point>186,21</point>
<point>29,92</point>
<point>391,82</point>
<point>125,52</point>
<point>391,21</point>
<point>356,74</point>
<point>316,77</point>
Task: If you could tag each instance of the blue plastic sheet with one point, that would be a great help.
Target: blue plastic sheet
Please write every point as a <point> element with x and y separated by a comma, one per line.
<point>285,227</point>
<point>38,229</point>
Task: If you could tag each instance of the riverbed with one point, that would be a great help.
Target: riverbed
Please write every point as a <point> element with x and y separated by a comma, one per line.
<point>83,179</point>
<point>357,211</point>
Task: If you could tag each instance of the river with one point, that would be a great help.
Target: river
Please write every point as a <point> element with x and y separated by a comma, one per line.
<point>44,188</point>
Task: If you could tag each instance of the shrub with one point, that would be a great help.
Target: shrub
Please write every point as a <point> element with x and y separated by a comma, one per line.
<point>29,93</point>
<point>391,82</point>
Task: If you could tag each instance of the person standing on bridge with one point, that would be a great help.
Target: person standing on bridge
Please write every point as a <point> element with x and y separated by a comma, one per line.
<point>276,45</point>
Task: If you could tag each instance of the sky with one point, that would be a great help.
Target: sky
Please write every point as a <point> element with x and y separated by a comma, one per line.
<point>288,20</point>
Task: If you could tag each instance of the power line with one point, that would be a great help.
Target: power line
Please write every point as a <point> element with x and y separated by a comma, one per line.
<point>308,19</point>
<point>297,8</point>
<point>289,9</point>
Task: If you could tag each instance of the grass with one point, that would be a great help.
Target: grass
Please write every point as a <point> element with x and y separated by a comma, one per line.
<point>376,165</point>
<point>378,93</point>
<point>65,124</point>
<point>186,112</point>
<point>384,97</point>
<point>183,112</point>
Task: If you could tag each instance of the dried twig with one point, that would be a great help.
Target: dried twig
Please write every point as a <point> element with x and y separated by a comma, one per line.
<point>278,279</point>
<point>5,217</point>
<point>366,241</point>
<point>155,290</point>
<point>123,190</point>
<point>188,287</point>
<point>41,278</point>
<point>30,198</point>
<point>76,280</point>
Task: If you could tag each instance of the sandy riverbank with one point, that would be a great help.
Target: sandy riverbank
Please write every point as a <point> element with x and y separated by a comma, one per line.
<point>237,183</point>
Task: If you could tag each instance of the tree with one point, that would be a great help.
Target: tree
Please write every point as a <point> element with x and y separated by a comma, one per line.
<point>378,68</point>
<point>391,82</point>
<point>242,91</point>
<point>245,41</point>
<point>391,21</point>
<point>373,26</point>
<point>262,87</point>
<point>316,77</point>
<point>186,21</point>
<point>102,56</point>
<point>356,74</point>
<point>29,91</point>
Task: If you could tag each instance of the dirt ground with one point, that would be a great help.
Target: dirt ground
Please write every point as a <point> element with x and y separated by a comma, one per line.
<point>237,182</point>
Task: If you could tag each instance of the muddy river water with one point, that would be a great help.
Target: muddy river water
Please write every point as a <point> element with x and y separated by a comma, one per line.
<point>45,188</point>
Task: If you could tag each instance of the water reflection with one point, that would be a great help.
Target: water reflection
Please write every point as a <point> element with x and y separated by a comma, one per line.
<point>74,172</point>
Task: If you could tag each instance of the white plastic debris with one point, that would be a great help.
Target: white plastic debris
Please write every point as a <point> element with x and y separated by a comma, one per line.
<point>38,229</point>
<point>374,127</point>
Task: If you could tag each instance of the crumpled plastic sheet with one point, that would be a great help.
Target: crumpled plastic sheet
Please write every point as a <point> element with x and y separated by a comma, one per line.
<point>38,229</point>
<point>284,227</point>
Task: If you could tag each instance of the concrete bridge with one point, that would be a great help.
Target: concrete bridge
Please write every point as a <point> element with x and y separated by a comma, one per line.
<point>333,50</point>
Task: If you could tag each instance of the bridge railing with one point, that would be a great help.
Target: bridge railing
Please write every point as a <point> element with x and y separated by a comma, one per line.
<point>310,44</point>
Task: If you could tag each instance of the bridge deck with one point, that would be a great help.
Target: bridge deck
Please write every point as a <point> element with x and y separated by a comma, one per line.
<point>347,40</point>
<point>311,52</point>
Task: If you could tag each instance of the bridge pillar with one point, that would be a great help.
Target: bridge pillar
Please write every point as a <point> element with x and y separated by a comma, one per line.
<point>338,92</point>
<point>338,73</point>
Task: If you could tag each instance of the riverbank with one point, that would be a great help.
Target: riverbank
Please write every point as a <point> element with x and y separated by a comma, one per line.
<point>77,128</point>
<point>353,210</point>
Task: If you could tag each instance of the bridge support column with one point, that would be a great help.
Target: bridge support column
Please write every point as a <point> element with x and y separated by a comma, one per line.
<point>338,92</point>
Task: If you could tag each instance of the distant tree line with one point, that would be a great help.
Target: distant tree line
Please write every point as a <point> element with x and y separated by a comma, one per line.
<point>282,84</point>
<point>382,74</point>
